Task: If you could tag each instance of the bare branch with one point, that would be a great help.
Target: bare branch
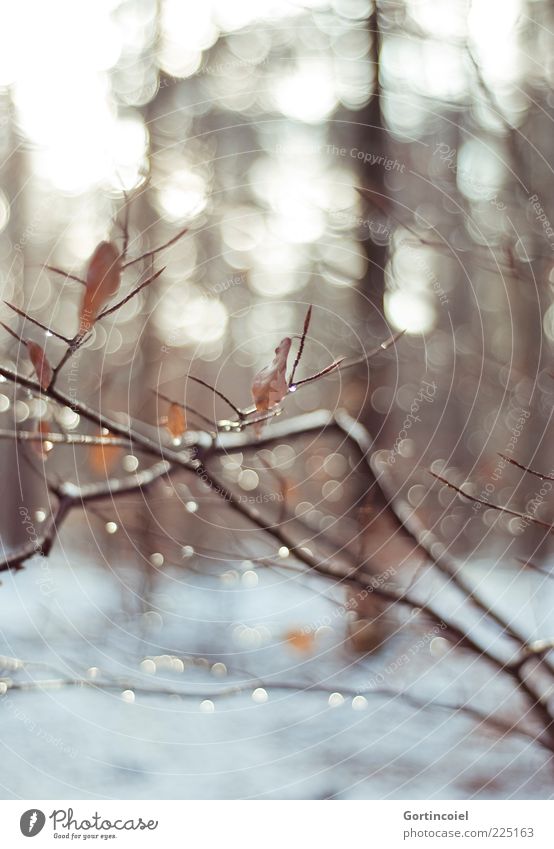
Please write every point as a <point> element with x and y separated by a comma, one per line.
<point>328,567</point>
<point>69,496</point>
<point>40,544</point>
<point>62,438</point>
<point>74,345</point>
<point>97,418</point>
<point>502,727</point>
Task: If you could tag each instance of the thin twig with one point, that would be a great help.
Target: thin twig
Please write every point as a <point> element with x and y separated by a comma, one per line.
<point>14,334</point>
<point>301,346</point>
<point>384,346</point>
<point>28,317</point>
<point>341,365</point>
<point>186,407</point>
<point>125,226</point>
<point>327,370</point>
<point>154,251</point>
<point>528,469</point>
<point>270,685</point>
<point>77,341</point>
<point>65,274</point>
<point>525,516</point>
<point>223,397</point>
<point>131,295</point>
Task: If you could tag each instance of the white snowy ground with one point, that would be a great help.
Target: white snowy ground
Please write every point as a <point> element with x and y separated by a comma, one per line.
<point>82,742</point>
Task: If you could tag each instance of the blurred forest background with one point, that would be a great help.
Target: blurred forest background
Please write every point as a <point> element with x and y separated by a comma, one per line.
<point>256,124</point>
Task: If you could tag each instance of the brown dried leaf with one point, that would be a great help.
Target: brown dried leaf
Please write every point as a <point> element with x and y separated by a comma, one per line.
<point>42,447</point>
<point>269,386</point>
<point>176,421</point>
<point>301,641</point>
<point>103,458</point>
<point>40,364</point>
<point>102,282</point>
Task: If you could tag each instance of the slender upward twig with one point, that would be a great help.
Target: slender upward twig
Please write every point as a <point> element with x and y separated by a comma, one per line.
<point>157,250</point>
<point>125,226</point>
<point>131,294</point>
<point>335,366</point>
<point>342,364</point>
<point>301,346</point>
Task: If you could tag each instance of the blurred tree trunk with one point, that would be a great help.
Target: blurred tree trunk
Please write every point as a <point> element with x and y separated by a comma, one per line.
<point>369,627</point>
<point>14,179</point>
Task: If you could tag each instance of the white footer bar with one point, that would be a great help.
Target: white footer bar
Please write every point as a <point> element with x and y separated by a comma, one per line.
<point>278,824</point>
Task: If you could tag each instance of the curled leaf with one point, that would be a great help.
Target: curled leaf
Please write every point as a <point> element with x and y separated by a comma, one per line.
<point>270,386</point>
<point>40,363</point>
<point>176,421</point>
<point>102,282</point>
